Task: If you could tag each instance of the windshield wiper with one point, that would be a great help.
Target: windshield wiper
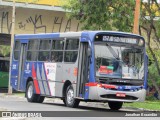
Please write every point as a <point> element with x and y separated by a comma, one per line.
<point>113,52</point>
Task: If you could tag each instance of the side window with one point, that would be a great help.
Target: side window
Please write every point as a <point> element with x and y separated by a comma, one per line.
<point>57,51</point>
<point>44,50</point>
<point>71,50</point>
<point>17,50</point>
<point>57,45</point>
<point>32,50</point>
<point>72,44</point>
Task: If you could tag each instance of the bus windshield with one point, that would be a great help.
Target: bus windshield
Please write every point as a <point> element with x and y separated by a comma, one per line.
<point>116,61</point>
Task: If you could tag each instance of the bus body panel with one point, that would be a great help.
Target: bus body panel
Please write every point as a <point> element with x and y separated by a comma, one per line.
<point>14,74</point>
<point>49,77</point>
<point>102,94</point>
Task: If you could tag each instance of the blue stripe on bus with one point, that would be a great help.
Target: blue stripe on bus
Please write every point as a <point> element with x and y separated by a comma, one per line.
<point>37,36</point>
<point>86,96</point>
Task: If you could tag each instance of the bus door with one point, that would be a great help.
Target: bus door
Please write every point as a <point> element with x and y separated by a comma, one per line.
<point>83,69</point>
<point>22,60</point>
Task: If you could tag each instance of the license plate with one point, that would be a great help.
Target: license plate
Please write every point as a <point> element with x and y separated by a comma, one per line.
<point>120,94</point>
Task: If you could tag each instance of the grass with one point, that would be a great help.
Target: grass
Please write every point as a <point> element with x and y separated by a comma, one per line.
<point>19,94</point>
<point>149,105</point>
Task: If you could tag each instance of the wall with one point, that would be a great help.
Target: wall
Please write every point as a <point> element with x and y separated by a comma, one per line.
<point>41,2</point>
<point>30,21</point>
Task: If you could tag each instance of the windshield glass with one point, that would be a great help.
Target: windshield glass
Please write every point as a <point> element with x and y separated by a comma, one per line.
<point>119,61</point>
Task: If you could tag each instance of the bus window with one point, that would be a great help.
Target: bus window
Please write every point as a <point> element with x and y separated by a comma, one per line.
<point>56,56</point>
<point>72,44</point>
<point>57,45</point>
<point>71,50</point>
<point>45,44</point>
<point>32,50</point>
<point>44,52</point>
<point>33,45</point>
<point>57,51</point>
<point>16,50</point>
<point>70,56</point>
<point>17,45</point>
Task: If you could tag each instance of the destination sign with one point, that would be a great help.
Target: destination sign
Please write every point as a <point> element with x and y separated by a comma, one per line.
<point>119,39</point>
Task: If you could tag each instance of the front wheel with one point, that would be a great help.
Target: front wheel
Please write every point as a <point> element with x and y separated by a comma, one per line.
<point>70,101</point>
<point>115,105</point>
<point>31,96</point>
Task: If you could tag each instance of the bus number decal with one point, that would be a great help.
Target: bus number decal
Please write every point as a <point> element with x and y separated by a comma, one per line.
<point>14,66</point>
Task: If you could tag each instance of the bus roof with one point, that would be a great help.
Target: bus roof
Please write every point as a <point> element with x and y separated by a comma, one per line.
<point>72,34</point>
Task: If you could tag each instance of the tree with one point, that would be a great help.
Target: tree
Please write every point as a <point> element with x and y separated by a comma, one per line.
<point>102,14</point>
<point>118,15</point>
<point>150,24</point>
<point>4,50</point>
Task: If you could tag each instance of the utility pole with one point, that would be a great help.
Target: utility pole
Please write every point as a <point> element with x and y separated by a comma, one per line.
<point>136,17</point>
<point>12,41</point>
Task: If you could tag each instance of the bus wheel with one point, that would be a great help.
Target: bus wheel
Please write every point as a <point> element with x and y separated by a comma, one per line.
<point>115,105</point>
<point>31,97</point>
<point>70,101</point>
<point>64,101</point>
<point>40,99</point>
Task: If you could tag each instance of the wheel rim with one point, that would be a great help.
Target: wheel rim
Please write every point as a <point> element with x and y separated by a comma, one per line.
<point>30,91</point>
<point>70,97</point>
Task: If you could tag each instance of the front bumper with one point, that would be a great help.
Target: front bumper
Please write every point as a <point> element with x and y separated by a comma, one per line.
<point>101,94</point>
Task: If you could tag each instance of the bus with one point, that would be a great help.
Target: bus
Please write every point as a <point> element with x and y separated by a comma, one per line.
<point>4,72</point>
<point>90,66</point>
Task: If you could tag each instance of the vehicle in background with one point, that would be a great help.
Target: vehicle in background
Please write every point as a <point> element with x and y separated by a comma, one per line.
<point>4,72</point>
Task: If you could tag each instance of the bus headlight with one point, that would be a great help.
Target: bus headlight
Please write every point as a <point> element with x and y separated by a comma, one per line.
<point>141,42</point>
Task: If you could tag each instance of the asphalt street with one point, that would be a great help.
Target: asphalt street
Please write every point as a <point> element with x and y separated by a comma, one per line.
<point>55,107</point>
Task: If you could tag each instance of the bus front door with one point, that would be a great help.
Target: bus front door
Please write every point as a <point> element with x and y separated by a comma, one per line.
<point>22,59</point>
<point>83,69</point>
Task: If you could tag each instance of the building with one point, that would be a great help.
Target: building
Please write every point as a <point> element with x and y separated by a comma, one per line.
<point>34,16</point>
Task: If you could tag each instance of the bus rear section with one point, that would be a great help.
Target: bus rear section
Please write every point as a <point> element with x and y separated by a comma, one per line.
<point>91,66</point>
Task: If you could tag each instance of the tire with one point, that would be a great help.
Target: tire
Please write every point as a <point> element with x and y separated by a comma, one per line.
<point>40,99</point>
<point>115,105</point>
<point>64,101</point>
<point>70,101</point>
<point>31,97</point>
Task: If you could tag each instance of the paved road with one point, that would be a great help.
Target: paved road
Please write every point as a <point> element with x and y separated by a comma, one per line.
<point>19,103</point>
<point>50,106</point>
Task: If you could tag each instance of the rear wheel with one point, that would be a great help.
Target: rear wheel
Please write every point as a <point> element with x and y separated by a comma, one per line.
<point>115,105</point>
<point>70,101</point>
<point>31,96</point>
<point>64,101</point>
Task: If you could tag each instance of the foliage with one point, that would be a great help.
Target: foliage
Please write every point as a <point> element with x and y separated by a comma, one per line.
<point>148,105</point>
<point>153,74</point>
<point>150,98</point>
<point>4,50</point>
<point>102,14</point>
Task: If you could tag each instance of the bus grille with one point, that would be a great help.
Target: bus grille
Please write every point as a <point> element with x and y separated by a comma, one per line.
<point>120,81</point>
<point>112,96</point>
